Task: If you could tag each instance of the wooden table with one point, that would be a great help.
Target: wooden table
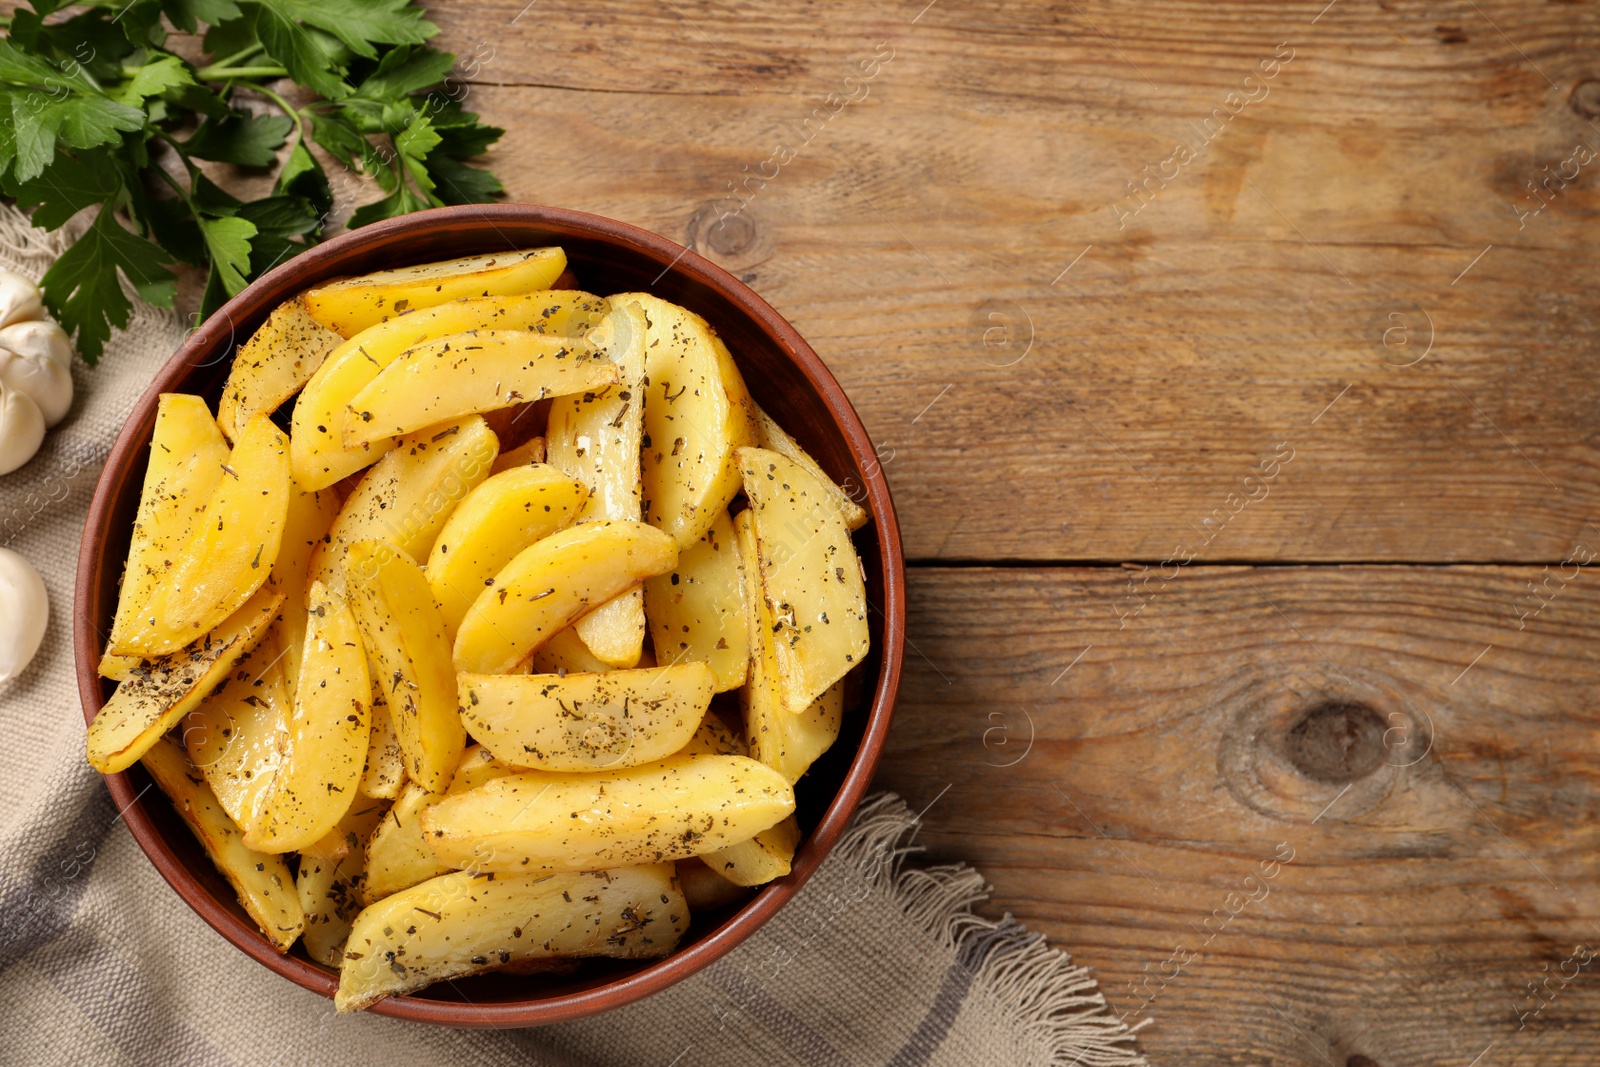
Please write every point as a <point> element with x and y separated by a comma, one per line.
<point>1233,393</point>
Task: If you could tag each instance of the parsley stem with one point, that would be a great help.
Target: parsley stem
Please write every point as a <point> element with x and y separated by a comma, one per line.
<point>240,55</point>
<point>183,156</point>
<point>221,73</point>
<point>183,194</point>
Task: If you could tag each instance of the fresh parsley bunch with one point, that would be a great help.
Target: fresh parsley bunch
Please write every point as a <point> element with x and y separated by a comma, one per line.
<point>96,108</point>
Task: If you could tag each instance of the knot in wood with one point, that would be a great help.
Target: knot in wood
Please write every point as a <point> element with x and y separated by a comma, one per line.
<point>1337,741</point>
<point>731,235</point>
<point>1585,98</point>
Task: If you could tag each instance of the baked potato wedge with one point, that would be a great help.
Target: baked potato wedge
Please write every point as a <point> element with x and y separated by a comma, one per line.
<point>705,889</point>
<point>187,454</point>
<point>307,521</point>
<point>397,856</point>
<point>233,737</point>
<point>318,454</point>
<point>586,722</point>
<point>470,373</point>
<point>265,887</point>
<point>615,628</point>
<point>462,923</point>
<point>539,821</point>
<point>775,438</point>
<point>713,738</point>
<point>791,743</point>
<point>565,653</point>
<point>811,578</point>
<point>165,689</point>
<point>530,451</point>
<point>269,368</point>
<point>405,638</point>
<point>594,437</point>
<point>330,878</point>
<point>326,743</point>
<point>385,773</point>
<point>759,860</point>
<point>765,856</point>
<point>697,411</point>
<point>498,518</point>
<point>787,742</point>
<point>550,584</point>
<point>407,497</point>
<point>350,305</point>
<point>228,554</point>
<point>478,765</point>
<point>117,668</point>
<point>697,610</point>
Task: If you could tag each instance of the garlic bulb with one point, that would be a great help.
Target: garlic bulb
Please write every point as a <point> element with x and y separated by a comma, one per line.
<point>24,612</point>
<point>20,300</point>
<point>36,358</point>
<point>21,428</point>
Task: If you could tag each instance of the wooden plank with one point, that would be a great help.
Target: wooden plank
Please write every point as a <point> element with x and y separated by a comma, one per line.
<point>1443,844</point>
<point>1192,338</point>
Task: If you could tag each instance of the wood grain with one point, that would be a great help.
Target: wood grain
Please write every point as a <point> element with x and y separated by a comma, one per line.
<point>1339,277</point>
<point>1116,807</point>
<point>1222,319</point>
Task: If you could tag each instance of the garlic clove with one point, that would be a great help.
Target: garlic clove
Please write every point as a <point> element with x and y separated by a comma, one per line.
<point>20,299</point>
<point>24,613</point>
<point>21,428</point>
<point>38,337</point>
<point>36,358</point>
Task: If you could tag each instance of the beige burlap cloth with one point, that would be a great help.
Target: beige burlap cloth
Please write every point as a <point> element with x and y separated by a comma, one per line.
<point>101,963</point>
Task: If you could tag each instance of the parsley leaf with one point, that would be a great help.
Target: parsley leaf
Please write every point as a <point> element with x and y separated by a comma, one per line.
<point>303,176</point>
<point>228,241</point>
<point>248,140</point>
<point>341,139</point>
<point>400,202</point>
<point>84,290</point>
<point>141,23</point>
<point>153,79</point>
<point>279,221</point>
<point>403,71</point>
<point>67,187</point>
<point>462,136</point>
<point>174,227</point>
<point>187,14</point>
<point>413,145</point>
<point>457,183</point>
<point>100,108</point>
<point>89,120</point>
<point>362,23</point>
<point>18,68</point>
<point>81,120</point>
<point>308,55</point>
<point>206,197</point>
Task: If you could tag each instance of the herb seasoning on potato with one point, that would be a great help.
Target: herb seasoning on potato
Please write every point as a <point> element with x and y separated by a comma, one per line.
<point>449,656</point>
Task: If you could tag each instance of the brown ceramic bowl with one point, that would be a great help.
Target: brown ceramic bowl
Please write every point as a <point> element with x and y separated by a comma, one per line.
<point>786,378</point>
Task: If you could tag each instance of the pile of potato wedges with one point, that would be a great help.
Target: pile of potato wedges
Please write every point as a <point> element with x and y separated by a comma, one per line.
<point>485,625</point>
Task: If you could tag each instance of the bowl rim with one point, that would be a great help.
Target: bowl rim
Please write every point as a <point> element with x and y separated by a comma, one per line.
<point>753,913</point>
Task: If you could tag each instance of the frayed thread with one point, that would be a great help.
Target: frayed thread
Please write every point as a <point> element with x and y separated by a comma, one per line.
<point>1054,1001</point>
<point>29,247</point>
